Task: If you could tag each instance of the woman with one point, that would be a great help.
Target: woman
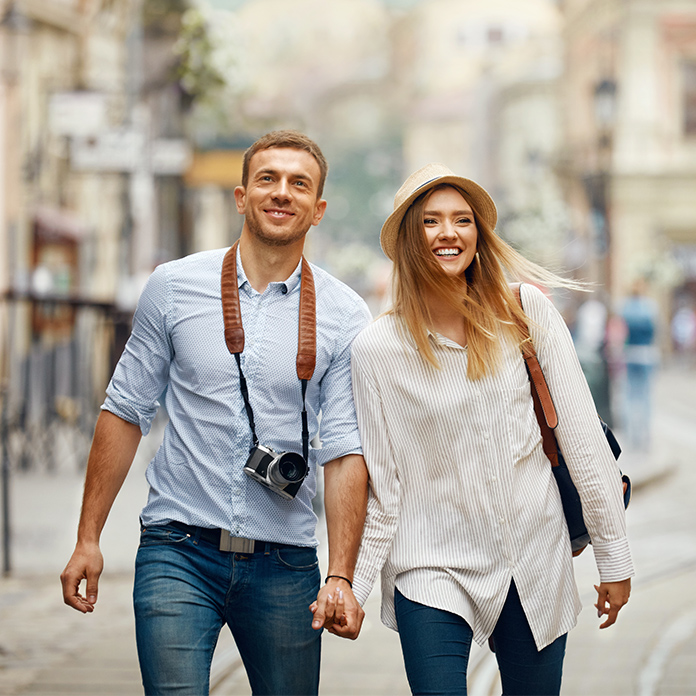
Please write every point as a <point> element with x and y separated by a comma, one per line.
<point>464,518</point>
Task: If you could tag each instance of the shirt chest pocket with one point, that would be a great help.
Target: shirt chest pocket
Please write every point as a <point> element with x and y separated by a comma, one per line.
<point>522,427</point>
<point>204,367</point>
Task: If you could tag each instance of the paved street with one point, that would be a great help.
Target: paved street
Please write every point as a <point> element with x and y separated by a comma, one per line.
<point>45,648</point>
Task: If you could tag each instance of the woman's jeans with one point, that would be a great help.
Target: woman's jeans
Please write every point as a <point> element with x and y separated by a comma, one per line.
<point>186,589</point>
<point>436,647</point>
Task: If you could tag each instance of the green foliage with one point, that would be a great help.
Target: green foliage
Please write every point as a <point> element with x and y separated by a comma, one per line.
<point>360,190</point>
<point>197,73</point>
<point>163,13</point>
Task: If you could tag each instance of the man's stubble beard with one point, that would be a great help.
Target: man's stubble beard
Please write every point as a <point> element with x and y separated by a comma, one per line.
<point>257,231</point>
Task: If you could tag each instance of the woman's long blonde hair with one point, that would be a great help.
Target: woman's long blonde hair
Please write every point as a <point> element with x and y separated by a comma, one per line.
<point>483,296</point>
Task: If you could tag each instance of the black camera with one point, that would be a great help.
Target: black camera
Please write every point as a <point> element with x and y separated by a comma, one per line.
<point>283,473</point>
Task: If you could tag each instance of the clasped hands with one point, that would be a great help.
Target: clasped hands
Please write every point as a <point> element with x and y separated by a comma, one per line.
<point>337,610</point>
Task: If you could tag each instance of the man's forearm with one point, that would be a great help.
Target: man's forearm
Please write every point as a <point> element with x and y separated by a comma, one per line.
<point>345,502</point>
<point>113,448</point>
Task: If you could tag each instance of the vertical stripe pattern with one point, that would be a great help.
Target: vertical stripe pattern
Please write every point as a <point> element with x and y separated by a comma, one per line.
<point>177,352</point>
<point>462,498</point>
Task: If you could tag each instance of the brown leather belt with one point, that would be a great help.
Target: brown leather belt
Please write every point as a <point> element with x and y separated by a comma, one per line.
<point>224,541</point>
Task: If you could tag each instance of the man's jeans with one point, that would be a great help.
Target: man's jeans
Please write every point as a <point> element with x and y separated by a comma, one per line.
<point>186,589</point>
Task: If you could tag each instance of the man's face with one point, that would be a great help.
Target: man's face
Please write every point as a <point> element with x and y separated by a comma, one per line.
<point>281,202</point>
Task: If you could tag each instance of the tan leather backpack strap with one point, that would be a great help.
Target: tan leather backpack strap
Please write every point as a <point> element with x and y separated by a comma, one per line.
<point>549,444</point>
<point>307,331</point>
<point>231,311</point>
<point>537,376</point>
<point>541,396</point>
<point>527,346</point>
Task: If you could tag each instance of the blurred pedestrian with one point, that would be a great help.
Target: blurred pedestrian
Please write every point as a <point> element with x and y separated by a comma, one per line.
<point>464,519</point>
<point>684,335</point>
<point>639,313</point>
<point>590,339</point>
<point>218,547</point>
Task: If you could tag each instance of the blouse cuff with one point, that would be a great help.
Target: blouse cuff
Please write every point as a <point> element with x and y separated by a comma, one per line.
<point>361,589</point>
<point>613,560</point>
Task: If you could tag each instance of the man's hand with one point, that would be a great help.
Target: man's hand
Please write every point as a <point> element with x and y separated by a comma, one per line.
<point>337,610</point>
<point>110,457</point>
<point>87,564</point>
<point>345,502</point>
<point>613,594</point>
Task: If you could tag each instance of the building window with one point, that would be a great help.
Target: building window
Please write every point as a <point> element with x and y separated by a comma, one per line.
<point>495,35</point>
<point>689,83</point>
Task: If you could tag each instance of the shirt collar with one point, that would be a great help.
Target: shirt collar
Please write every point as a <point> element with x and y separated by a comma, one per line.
<point>287,285</point>
<point>441,340</point>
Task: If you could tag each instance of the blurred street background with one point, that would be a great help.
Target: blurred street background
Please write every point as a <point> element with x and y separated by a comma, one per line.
<point>122,128</point>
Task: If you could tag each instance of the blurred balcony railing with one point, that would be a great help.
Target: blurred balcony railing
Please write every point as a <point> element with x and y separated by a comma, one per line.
<point>57,357</point>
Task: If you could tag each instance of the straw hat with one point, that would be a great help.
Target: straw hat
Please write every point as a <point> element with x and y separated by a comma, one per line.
<point>423,180</point>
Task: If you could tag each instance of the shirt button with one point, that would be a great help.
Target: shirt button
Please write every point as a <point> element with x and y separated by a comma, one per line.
<point>494,478</point>
<point>502,520</point>
<point>284,289</point>
<point>486,435</point>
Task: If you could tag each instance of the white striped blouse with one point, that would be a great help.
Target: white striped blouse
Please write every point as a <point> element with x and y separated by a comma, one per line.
<point>462,499</point>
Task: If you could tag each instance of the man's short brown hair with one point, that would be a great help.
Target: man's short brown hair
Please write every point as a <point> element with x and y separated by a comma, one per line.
<point>287,138</point>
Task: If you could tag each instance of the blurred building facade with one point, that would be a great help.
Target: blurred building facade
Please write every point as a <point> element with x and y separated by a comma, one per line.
<point>66,74</point>
<point>91,190</point>
<point>628,163</point>
<point>64,81</point>
<point>386,87</point>
<point>123,123</point>
<point>483,98</point>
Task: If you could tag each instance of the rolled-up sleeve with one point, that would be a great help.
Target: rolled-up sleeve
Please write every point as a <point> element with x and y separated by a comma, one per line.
<point>580,436</point>
<point>142,372</point>
<point>339,428</point>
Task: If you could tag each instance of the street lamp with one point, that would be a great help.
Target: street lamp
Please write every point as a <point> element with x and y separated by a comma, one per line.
<point>600,187</point>
<point>14,25</point>
<point>605,111</point>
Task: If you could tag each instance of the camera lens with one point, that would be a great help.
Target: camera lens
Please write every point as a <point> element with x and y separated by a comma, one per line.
<point>287,468</point>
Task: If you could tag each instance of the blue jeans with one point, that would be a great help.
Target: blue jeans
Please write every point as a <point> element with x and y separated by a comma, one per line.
<point>436,647</point>
<point>186,589</point>
<point>638,404</point>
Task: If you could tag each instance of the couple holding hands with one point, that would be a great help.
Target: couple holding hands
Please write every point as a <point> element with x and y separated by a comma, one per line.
<point>434,472</point>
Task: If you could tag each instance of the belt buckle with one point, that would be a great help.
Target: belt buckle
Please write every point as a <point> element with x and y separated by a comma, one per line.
<point>232,544</point>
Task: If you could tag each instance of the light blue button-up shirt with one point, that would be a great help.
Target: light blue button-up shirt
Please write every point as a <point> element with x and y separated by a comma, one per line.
<point>177,349</point>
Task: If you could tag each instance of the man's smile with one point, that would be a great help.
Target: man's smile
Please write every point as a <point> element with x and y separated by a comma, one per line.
<point>278,212</point>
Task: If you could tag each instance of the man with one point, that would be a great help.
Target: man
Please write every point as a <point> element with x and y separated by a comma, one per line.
<point>217,546</point>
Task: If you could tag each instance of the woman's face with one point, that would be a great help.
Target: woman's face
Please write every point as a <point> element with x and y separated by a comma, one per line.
<point>450,230</point>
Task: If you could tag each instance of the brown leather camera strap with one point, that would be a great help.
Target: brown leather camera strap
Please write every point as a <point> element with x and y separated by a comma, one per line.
<point>541,396</point>
<point>232,314</point>
<point>306,335</point>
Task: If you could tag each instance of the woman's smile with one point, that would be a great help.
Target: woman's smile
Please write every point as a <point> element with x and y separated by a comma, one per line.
<point>450,229</point>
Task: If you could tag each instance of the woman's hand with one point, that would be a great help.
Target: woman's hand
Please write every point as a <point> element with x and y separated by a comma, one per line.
<point>613,594</point>
<point>337,610</point>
